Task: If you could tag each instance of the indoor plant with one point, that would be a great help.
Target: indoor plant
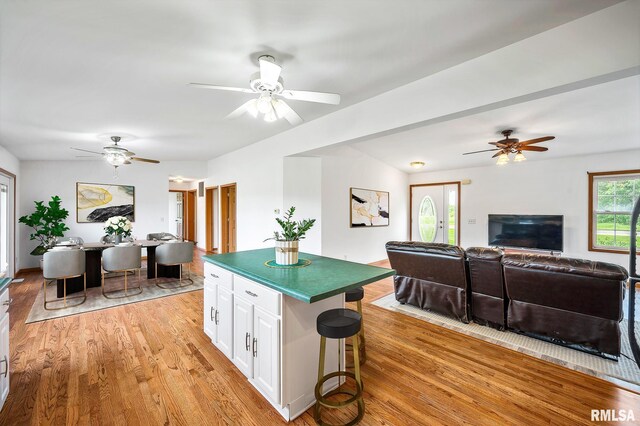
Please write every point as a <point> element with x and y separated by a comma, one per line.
<point>119,226</point>
<point>48,224</point>
<point>287,240</point>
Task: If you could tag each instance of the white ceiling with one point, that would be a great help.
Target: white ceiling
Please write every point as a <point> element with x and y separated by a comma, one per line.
<point>601,118</point>
<point>73,70</point>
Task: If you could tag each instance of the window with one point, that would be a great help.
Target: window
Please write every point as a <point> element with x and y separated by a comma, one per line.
<point>612,196</point>
<point>428,218</point>
<point>453,198</point>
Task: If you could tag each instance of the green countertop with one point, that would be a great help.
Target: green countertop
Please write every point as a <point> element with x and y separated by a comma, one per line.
<point>323,278</point>
<point>4,283</point>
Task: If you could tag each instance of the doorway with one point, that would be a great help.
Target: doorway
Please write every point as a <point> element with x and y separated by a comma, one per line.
<point>435,212</point>
<point>182,214</point>
<point>211,219</point>
<point>7,220</point>
<point>228,218</point>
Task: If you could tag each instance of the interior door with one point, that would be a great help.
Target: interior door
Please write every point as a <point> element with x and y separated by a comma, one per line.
<point>225,321</point>
<point>434,213</point>
<point>190,216</point>
<point>243,335</point>
<point>228,218</point>
<point>266,364</point>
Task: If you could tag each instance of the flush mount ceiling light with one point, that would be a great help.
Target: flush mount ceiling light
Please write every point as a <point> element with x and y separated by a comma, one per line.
<point>417,164</point>
<point>270,86</point>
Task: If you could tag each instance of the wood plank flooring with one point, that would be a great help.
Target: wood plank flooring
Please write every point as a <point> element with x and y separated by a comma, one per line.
<point>151,363</point>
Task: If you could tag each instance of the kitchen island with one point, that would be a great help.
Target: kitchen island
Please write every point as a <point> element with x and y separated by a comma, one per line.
<point>263,318</point>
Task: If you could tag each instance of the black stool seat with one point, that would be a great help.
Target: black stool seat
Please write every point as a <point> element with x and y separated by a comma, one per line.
<point>354,295</point>
<point>339,323</point>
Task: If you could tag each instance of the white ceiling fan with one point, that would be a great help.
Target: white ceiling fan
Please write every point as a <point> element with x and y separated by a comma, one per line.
<point>270,87</point>
<point>117,155</point>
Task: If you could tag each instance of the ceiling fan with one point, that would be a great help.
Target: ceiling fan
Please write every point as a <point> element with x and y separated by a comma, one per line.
<point>268,84</point>
<point>116,155</point>
<point>510,145</point>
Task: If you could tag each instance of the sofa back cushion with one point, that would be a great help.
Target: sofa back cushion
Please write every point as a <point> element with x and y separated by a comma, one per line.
<point>485,270</point>
<point>438,263</point>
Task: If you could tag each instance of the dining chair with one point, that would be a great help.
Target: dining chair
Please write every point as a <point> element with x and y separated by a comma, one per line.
<point>161,236</point>
<point>62,265</point>
<point>122,259</point>
<point>172,254</point>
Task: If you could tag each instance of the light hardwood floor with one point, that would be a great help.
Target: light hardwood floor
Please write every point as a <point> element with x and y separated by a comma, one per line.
<point>151,363</point>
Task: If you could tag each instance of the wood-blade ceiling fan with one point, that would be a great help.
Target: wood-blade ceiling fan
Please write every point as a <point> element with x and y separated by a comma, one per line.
<point>268,84</point>
<point>510,145</point>
<point>115,154</point>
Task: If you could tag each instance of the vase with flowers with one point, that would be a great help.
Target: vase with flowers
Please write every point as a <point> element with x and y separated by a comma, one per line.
<point>119,227</point>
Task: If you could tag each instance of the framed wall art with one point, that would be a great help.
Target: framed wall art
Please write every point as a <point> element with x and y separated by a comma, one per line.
<point>97,202</point>
<point>369,208</point>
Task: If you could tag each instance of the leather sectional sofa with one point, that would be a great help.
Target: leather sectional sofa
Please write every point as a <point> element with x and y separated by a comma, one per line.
<point>564,300</point>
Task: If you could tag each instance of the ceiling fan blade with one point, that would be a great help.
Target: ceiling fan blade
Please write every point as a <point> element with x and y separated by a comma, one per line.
<point>320,97</point>
<point>538,140</point>
<point>144,160</point>
<point>86,150</point>
<point>86,156</point>
<point>484,150</point>
<point>285,111</point>
<point>532,148</point>
<point>498,153</point>
<point>214,87</point>
<point>269,72</point>
<point>249,106</point>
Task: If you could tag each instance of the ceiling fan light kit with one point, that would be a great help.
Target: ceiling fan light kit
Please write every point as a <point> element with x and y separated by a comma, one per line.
<point>268,84</point>
<point>510,145</point>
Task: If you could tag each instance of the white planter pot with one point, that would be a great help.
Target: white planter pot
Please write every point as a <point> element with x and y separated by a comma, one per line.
<point>286,252</point>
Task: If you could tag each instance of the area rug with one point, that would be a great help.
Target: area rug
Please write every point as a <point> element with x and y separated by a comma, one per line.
<point>625,372</point>
<point>96,301</point>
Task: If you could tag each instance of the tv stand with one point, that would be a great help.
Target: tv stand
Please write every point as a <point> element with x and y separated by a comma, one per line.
<point>510,250</point>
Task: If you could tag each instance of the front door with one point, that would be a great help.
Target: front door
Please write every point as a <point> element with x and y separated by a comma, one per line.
<point>434,213</point>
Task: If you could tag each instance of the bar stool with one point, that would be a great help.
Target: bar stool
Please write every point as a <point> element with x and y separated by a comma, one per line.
<point>356,295</point>
<point>338,324</point>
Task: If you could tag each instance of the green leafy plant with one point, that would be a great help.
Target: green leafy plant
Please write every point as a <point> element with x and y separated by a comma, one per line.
<point>48,224</point>
<point>291,230</point>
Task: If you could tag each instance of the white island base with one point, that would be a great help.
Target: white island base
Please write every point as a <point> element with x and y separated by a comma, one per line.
<point>270,337</point>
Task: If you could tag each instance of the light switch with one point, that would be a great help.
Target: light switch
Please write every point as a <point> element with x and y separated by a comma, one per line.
<point>471,222</point>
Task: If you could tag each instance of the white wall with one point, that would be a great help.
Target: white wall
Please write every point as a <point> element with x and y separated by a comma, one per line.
<point>346,168</point>
<point>557,186</point>
<point>43,179</point>
<point>303,189</point>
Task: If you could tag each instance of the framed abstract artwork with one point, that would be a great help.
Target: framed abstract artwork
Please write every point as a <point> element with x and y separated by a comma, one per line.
<point>97,202</point>
<point>369,208</point>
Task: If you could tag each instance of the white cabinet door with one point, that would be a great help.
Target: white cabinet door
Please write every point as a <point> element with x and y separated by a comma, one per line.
<point>225,322</point>
<point>243,335</point>
<point>210,307</point>
<point>266,362</point>
<point>4,356</point>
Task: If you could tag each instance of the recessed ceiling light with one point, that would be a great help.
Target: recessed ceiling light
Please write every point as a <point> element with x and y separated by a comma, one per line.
<point>416,164</point>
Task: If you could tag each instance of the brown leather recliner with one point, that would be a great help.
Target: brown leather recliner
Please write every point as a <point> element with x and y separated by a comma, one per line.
<point>430,276</point>
<point>572,300</point>
<point>488,301</point>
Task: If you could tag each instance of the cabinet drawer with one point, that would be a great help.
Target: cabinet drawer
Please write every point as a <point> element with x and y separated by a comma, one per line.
<point>216,275</point>
<point>257,294</point>
<point>4,302</point>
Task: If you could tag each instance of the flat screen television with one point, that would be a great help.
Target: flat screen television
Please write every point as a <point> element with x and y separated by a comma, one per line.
<point>539,232</point>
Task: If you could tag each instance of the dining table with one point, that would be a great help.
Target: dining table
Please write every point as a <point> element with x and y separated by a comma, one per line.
<point>93,256</point>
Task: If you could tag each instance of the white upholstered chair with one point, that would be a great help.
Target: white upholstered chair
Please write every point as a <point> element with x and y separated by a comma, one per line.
<point>62,265</point>
<point>122,259</point>
<point>176,253</point>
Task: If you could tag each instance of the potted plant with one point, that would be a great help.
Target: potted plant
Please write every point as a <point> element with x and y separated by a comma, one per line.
<point>287,240</point>
<point>48,224</point>
<point>119,226</point>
